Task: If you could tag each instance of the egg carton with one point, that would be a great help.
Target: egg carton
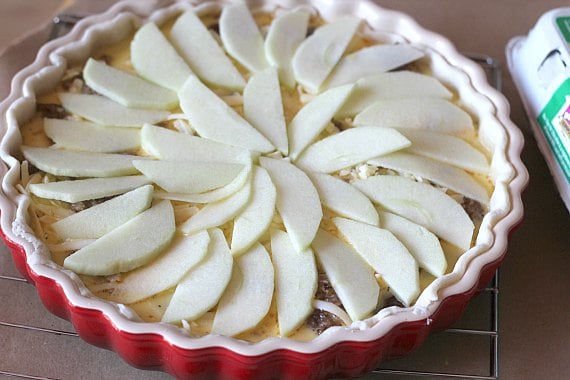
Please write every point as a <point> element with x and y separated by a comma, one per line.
<point>540,66</point>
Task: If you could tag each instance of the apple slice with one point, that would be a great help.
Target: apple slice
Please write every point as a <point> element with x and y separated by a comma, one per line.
<point>212,196</point>
<point>174,145</point>
<point>79,164</point>
<point>393,85</point>
<point>422,204</point>
<point>437,172</point>
<point>431,114</point>
<point>241,37</point>
<point>188,176</point>
<point>156,60</point>
<point>295,282</point>
<point>201,51</point>
<point>247,298</point>
<point>371,60</point>
<point>386,254</point>
<point>184,254</point>
<point>351,147</point>
<point>449,149</point>
<point>96,221</point>
<point>284,36</point>
<point>127,89</point>
<point>343,199</point>
<point>107,112</point>
<point>255,219</point>
<point>208,113</point>
<point>171,145</point>
<point>297,201</point>
<point>352,279</point>
<point>217,213</point>
<point>128,246</point>
<point>202,287</point>
<point>84,189</point>
<point>263,107</point>
<point>422,244</point>
<point>86,136</point>
<point>92,188</point>
<point>318,54</point>
<point>313,118</point>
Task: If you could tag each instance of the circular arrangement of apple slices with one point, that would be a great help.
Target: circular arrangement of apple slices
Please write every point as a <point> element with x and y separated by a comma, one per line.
<point>296,158</point>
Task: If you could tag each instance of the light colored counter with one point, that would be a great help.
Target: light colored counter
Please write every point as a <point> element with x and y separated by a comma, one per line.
<point>534,288</point>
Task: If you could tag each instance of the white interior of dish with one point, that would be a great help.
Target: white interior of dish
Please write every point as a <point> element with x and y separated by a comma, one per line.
<point>496,133</point>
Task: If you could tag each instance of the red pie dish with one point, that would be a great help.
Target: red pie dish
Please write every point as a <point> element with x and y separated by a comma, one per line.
<point>300,189</point>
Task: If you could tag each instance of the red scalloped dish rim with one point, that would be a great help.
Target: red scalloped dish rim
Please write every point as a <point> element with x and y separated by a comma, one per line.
<point>338,351</point>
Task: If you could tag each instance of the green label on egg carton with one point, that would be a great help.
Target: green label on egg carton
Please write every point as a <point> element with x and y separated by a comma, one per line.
<point>564,26</point>
<point>555,123</point>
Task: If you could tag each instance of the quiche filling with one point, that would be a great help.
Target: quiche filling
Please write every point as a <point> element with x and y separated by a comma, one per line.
<point>255,175</point>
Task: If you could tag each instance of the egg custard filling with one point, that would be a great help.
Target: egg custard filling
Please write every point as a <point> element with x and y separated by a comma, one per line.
<point>255,175</point>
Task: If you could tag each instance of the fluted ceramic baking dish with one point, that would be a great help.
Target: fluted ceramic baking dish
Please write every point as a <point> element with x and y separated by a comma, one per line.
<point>347,351</point>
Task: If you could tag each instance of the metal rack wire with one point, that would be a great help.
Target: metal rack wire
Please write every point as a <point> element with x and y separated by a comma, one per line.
<point>62,24</point>
<point>411,367</point>
<point>462,335</point>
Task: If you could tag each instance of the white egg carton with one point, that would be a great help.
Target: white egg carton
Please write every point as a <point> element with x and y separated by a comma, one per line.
<point>540,66</point>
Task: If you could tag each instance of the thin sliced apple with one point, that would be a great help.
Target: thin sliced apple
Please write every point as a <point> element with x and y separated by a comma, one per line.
<point>84,189</point>
<point>422,244</point>
<point>428,114</point>
<point>207,113</point>
<point>256,217</point>
<point>188,176</point>
<point>184,254</point>
<point>397,84</point>
<point>71,163</point>
<point>284,36</point>
<point>96,221</point>
<point>351,147</point>
<point>449,149</point>
<point>371,60</point>
<point>241,37</point>
<point>314,117</point>
<point>263,107</point>
<point>350,276</point>
<point>201,288</point>
<point>215,195</point>
<point>297,201</point>
<point>156,60</point>
<point>128,246</point>
<point>318,54</point>
<point>127,89</point>
<point>295,282</point>
<point>201,51</point>
<point>247,298</point>
<point>386,254</point>
<point>422,204</point>
<point>171,145</point>
<point>343,199</point>
<point>107,112</point>
<point>437,172</point>
<point>91,137</point>
<point>217,213</point>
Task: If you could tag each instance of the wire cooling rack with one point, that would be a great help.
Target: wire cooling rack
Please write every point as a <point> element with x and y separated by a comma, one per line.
<point>477,332</point>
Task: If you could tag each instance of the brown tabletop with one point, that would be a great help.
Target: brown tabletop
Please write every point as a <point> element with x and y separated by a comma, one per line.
<point>534,286</point>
